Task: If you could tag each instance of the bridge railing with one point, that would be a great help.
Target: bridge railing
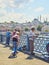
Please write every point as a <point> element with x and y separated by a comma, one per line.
<point>23,41</point>
<point>40,44</point>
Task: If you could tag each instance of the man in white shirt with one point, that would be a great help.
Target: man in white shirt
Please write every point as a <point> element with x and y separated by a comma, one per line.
<point>31,39</point>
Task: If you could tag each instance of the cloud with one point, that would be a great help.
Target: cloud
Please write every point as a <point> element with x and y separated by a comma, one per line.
<point>3,12</point>
<point>11,15</point>
<point>39,9</point>
<point>14,3</point>
<point>2,4</point>
<point>16,17</point>
<point>19,3</point>
<point>31,0</point>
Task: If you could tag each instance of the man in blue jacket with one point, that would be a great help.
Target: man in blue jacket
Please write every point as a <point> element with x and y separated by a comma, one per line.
<point>8,34</point>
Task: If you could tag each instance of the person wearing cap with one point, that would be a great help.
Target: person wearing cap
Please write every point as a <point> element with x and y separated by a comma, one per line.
<point>15,38</point>
<point>31,39</point>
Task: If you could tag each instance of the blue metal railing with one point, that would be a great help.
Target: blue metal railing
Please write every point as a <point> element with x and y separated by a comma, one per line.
<point>23,40</point>
<point>39,44</point>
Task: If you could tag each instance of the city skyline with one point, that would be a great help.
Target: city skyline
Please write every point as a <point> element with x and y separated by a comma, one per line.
<point>23,10</point>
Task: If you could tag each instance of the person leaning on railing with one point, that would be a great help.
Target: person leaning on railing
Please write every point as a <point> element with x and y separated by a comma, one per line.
<point>32,36</point>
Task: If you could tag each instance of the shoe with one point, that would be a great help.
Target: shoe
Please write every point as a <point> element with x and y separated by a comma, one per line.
<point>13,53</point>
<point>7,46</point>
<point>12,56</point>
<point>32,53</point>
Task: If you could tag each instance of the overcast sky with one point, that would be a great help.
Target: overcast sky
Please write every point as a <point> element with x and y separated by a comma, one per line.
<point>22,10</point>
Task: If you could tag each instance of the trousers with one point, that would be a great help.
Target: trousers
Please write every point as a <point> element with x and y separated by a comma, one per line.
<point>14,46</point>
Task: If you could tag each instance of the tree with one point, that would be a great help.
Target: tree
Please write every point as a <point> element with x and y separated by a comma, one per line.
<point>5,22</point>
<point>12,21</point>
<point>39,28</point>
<point>46,30</point>
<point>26,29</point>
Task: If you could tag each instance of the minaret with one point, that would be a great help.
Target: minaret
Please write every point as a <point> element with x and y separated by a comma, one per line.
<point>40,18</point>
<point>46,19</point>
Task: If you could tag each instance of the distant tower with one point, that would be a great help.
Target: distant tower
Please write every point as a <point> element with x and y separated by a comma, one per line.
<point>46,19</point>
<point>26,21</point>
<point>43,19</point>
<point>40,18</point>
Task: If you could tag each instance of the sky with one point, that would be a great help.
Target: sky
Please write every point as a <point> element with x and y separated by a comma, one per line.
<point>23,10</point>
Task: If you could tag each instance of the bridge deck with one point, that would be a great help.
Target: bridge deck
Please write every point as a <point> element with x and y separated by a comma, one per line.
<point>21,59</point>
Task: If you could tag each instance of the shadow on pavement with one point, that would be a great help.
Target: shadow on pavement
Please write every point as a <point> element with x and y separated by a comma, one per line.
<point>30,57</point>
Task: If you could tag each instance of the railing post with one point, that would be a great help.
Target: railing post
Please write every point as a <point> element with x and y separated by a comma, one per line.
<point>28,46</point>
<point>1,38</point>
